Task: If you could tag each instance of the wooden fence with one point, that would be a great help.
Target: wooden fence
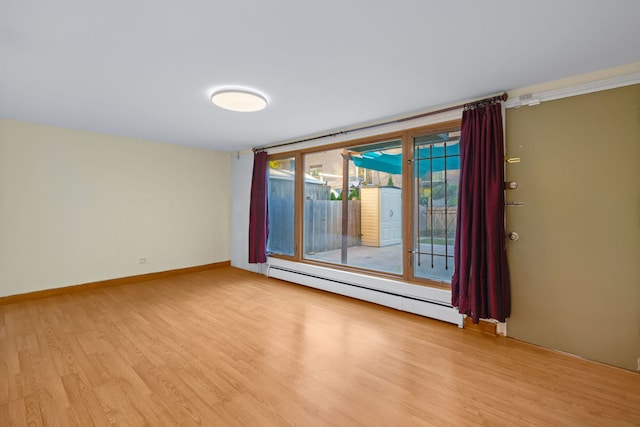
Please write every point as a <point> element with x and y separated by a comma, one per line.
<point>323,225</point>
<point>284,189</point>
<point>442,221</point>
<point>281,237</point>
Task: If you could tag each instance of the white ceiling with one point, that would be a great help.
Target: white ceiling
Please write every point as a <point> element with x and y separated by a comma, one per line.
<point>147,68</point>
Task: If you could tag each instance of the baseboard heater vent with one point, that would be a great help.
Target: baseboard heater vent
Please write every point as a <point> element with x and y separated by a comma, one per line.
<point>424,307</point>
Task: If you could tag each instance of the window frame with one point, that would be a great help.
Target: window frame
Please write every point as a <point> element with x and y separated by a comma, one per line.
<point>297,191</point>
<point>449,126</point>
<point>408,188</point>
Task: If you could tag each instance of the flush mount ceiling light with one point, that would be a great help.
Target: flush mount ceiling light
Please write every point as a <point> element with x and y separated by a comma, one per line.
<point>239,100</point>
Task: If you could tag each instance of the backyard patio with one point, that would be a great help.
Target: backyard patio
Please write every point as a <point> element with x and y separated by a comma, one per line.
<point>388,259</point>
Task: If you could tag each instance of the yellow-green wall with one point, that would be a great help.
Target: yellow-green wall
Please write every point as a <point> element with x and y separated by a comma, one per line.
<point>576,269</point>
<point>78,207</point>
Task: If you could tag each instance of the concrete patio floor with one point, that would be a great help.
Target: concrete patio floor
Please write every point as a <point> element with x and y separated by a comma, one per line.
<point>388,259</point>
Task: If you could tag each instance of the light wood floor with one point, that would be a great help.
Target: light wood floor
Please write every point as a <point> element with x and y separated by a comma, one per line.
<point>228,347</point>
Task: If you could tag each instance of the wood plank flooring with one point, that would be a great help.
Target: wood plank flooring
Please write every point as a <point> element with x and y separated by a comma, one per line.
<point>227,347</point>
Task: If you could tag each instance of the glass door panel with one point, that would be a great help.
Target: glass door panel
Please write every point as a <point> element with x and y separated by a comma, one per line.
<point>435,204</point>
<point>368,232</point>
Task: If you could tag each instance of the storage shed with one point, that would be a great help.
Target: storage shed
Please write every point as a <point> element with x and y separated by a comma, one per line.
<point>381,216</point>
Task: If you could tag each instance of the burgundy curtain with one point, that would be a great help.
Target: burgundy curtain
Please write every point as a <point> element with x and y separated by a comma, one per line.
<point>258,210</point>
<point>480,286</point>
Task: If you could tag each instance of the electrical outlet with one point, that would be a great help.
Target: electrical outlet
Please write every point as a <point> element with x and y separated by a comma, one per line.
<point>142,261</point>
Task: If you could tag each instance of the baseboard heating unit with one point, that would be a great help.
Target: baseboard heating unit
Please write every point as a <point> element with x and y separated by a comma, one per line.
<point>421,300</point>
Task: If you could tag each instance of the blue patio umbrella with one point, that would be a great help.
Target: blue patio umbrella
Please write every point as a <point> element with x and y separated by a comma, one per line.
<point>390,163</point>
<point>430,158</point>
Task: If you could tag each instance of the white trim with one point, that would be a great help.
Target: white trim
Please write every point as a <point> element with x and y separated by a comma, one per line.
<point>501,329</point>
<point>535,98</point>
<point>416,299</point>
<point>425,293</point>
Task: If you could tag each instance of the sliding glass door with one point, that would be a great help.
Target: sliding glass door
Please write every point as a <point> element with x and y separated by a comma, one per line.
<point>353,206</point>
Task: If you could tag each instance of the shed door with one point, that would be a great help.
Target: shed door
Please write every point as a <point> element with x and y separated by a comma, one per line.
<point>390,216</point>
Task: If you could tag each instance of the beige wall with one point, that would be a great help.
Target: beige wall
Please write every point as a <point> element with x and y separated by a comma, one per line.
<point>576,268</point>
<point>77,207</point>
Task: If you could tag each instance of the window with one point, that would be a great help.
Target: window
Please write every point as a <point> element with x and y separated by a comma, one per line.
<point>315,170</point>
<point>281,239</point>
<point>384,205</point>
<point>365,176</point>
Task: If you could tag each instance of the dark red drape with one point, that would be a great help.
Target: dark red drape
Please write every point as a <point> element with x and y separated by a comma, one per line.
<point>480,286</point>
<point>258,210</point>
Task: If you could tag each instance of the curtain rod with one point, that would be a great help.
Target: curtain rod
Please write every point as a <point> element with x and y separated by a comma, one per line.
<point>497,98</point>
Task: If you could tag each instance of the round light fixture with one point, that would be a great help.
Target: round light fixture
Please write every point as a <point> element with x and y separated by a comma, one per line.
<point>239,100</point>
